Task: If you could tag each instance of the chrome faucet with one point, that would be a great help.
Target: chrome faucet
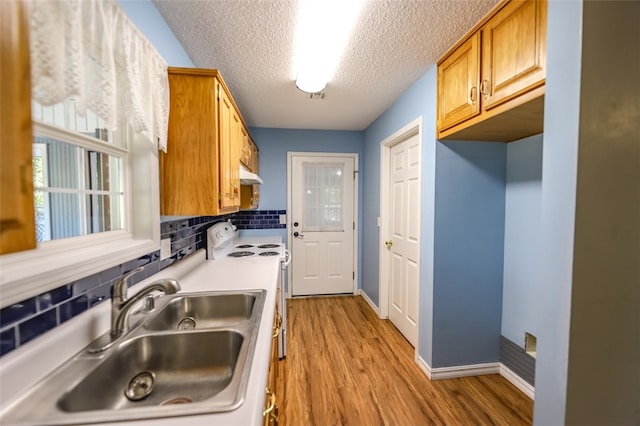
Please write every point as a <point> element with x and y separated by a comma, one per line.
<point>120,305</point>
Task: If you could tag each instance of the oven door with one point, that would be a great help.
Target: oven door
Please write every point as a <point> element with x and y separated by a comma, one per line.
<point>282,339</point>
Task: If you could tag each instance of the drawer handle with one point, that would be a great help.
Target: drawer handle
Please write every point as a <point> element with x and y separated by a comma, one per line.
<point>272,402</point>
<point>276,326</point>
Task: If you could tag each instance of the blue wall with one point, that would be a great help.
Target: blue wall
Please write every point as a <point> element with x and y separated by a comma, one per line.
<point>522,241</point>
<point>462,233</point>
<point>418,101</point>
<point>559,170</point>
<point>274,145</point>
<point>146,17</point>
<point>468,263</point>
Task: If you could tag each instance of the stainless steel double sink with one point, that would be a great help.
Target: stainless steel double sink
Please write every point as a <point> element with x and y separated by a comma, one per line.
<point>191,355</point>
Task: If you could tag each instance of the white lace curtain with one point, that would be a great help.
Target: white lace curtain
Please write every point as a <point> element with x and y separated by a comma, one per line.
<point>90,50</point>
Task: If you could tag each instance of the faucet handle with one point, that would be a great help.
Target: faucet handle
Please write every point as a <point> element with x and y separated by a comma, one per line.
<point>126,277</point>
<point>149,304</point>
<point>119,289</point>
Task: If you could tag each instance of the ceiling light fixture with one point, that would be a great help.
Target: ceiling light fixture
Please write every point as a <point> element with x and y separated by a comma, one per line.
<point>323,29</point>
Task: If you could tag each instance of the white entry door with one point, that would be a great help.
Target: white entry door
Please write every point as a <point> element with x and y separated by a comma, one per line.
<point>404,244</point>
<point>321,224</point>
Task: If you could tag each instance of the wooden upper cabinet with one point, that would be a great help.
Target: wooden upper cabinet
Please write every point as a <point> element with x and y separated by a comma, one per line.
<point>17,217</point>
<point>199,174</point>
<point>229,146</point>
<point>491,83</point>
<point>513,51</point>
<point>458,82</point>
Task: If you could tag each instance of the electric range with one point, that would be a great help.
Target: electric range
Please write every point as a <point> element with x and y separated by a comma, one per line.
<point>224,244</point>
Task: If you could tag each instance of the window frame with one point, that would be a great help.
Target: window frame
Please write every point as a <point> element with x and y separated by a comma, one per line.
<point>87,144</point>
<point>55,263</point>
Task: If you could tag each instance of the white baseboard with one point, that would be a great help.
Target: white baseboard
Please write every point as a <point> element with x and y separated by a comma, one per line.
<point>441,373</point>
<point>465,371</point>
<point>370,302</point>
<point>476,370</point>
<point>517,381</point>
<point>424,366</point>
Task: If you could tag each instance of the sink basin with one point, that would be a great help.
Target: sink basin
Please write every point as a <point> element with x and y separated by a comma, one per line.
<point>203,311</point>
<point>187,367</point>
<point>156,370</point>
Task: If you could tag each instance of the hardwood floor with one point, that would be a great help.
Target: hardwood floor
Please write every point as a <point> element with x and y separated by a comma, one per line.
<point>345,366</point>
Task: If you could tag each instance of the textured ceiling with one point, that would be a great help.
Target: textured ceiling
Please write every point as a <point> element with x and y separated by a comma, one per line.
<point>251,42</point>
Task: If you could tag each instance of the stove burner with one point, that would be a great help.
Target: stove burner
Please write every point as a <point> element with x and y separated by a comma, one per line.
<point>269,253</point>
<point>243,246</point>
<point>266,246</point>
<point>240,254</point>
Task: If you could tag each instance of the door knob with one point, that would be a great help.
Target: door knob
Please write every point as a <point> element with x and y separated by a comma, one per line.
<point>298,235</point>
<point>388,243</point>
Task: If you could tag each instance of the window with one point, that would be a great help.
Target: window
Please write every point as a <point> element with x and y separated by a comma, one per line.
<point>78,175</point>
<point>96,192</point>
<point>322,203</point>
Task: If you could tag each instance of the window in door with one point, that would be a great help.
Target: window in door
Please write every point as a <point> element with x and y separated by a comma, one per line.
<point>322,202</point>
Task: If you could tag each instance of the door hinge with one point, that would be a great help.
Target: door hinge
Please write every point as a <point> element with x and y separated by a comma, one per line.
<point>354,275</point>
<point>355,172</point>
<point>354,226</point>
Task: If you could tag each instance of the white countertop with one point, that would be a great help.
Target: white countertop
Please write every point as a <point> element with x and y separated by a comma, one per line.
<point>25,366</point>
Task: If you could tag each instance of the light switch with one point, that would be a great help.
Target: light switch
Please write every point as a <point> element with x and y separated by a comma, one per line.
<point>283,219</point>
<point>378,221</point>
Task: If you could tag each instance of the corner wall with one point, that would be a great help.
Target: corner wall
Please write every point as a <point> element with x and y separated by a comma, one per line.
<point>418,101</point>
<point>468,247</point>
<point>588,369</point>
<point>522,242</point>
<point>605,295</point>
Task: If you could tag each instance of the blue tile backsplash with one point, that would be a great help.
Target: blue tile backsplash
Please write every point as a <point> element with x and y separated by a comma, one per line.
<point>33,317</point>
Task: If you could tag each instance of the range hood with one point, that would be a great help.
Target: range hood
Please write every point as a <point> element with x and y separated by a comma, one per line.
<point>248,178</point>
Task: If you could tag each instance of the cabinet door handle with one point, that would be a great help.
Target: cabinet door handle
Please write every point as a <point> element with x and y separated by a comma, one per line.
<point>277,325</point>
<point>483,88</point>
<point>272,402</point>
<point>473,94</point>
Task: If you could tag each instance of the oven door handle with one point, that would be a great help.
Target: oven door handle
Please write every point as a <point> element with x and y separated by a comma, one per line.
<point>287,257</point>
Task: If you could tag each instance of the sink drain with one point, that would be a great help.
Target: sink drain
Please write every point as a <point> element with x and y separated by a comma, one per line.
<point>140,386</point>
<point>179,400</point>
<point>187,323</point>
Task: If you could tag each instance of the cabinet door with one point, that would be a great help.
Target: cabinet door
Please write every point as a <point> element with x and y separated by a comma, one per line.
<point>189,181</point>
<point>458,79</point>
<point>245,152</point>
<point>513,51</point>
<point>228,145</point>
<point>17,219</point>
<point>237,129</point>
